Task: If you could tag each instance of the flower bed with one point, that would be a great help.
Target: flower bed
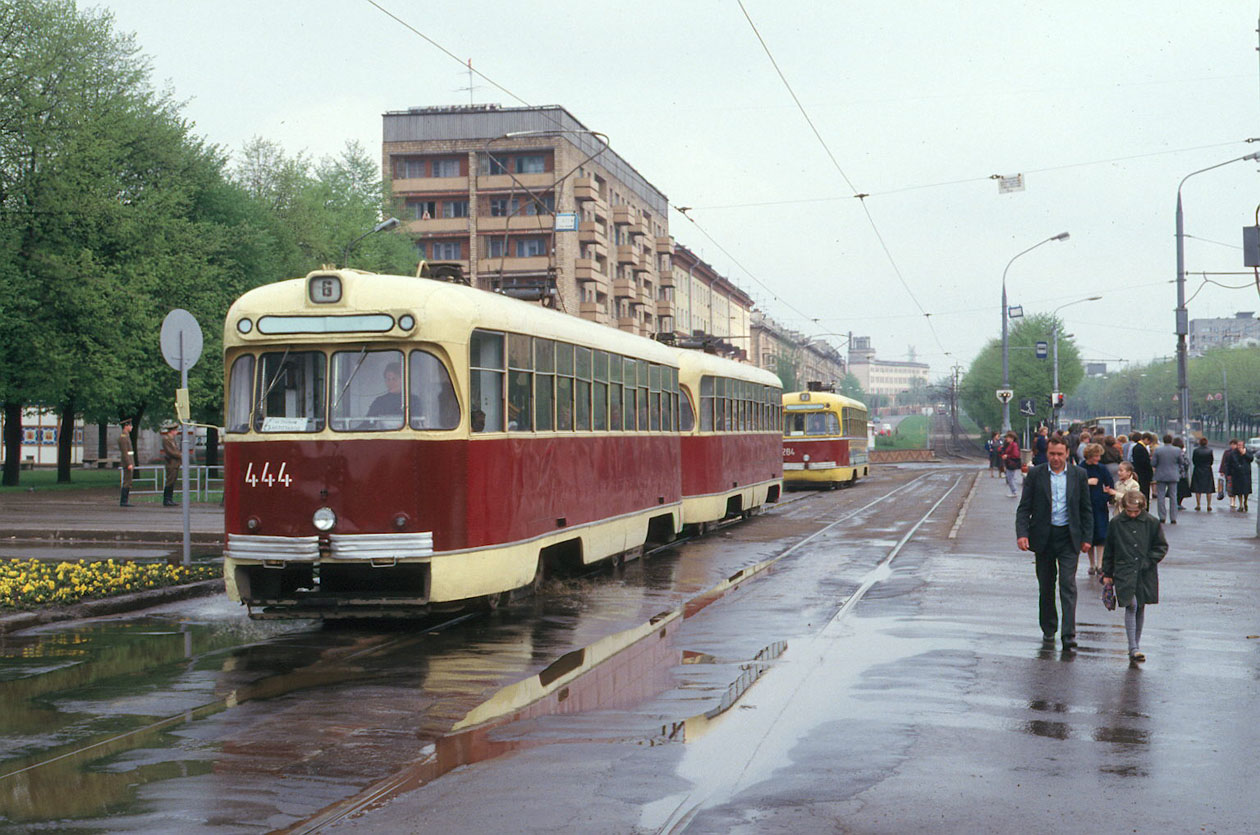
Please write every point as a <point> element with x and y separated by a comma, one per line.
<point>28,583</point>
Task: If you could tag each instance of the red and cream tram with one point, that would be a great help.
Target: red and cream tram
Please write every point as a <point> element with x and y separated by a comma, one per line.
<point>824,439</point>
<point>397,444</point>
<point>731,462</point>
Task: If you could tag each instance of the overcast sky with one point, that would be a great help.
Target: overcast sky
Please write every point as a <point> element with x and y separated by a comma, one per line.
<point>1103,106</point>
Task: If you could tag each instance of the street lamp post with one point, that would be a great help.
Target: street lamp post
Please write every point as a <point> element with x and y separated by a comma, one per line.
<point>1006,365</point>
<point>1054,407</point>
<point>1183,322</point>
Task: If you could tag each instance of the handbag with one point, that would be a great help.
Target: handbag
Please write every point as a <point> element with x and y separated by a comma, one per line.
<point>1109,596</point>
<point>1220,489</point>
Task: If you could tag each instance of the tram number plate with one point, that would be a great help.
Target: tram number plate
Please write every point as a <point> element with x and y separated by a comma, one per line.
<point>788,452</point>
<point>268,477</point>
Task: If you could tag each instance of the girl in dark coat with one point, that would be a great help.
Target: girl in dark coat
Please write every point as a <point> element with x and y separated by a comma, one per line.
<point>1135,545</point>
<point>1201,477</point>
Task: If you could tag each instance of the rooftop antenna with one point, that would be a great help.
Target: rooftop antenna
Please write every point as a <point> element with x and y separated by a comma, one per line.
<point>471,86</point>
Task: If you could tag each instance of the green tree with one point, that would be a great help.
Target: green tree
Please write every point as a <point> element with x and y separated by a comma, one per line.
<point>850,386</point>
<point>1030,377</point>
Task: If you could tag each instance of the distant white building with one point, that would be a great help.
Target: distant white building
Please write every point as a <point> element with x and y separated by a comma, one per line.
<point>887,377</point>
<point>1206,334</point>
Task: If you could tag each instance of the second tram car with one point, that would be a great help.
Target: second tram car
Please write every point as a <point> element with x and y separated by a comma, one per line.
<point>825,439</point>
<point>395,445</point>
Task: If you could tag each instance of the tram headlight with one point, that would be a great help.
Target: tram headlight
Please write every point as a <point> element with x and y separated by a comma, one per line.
<point>253,523</point>
<point>805,458</point>
<point>406,321</point>
<point>245,325</point>
<point>324,519</point>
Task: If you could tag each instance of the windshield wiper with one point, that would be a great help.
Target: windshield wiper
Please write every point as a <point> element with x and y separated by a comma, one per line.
<point>262,401</point>
<point>357,366</point>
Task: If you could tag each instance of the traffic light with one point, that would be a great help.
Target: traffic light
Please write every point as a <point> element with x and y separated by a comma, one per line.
<point>1056,400</point>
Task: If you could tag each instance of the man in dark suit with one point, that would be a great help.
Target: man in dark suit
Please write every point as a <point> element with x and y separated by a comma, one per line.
<point>1140,457</point>
<point>1055,521</point>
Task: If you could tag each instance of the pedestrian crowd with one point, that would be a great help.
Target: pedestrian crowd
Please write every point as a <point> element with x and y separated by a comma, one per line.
<point>1086,492</point>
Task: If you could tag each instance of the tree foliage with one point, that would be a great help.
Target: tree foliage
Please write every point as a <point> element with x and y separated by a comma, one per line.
<point>1029,376</point>
<point>115,213</point>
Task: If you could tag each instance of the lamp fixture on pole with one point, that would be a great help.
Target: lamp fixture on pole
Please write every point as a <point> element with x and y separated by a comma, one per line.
<point>1054,407</point>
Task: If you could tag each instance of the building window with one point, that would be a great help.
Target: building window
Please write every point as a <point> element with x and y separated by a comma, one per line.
<point>448,250</point>
<point>408,168</point>
<point>445,168</point>
<point>487,165</point>
<point>455,208</point>
<point>530,247</point>
<point>531,164</point>
<point>544,205</point>
<point>420,209</point>
<point>495,247</point>
<point>503,207</point>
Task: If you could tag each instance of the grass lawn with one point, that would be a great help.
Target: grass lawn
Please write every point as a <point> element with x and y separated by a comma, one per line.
<point>911,433</point>
<point>46,479</point>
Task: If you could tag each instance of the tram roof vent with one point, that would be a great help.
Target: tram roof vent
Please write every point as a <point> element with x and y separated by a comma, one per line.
<point>818,385</point>
<point>452,272</point>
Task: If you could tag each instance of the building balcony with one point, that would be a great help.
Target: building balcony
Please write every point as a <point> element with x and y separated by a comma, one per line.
<point>664,307</point>
<point>429,185</point>
<point>587,269</point>
<point>624,216</point>
<point>627,254</point>
<point>505,182</point>
<point>630,324</point>
<point>585,188</point>
<point>517,223</point>
<point>533,264</point>
<point>625,288</point>
<point>665,246</point>
<point>667,278</point>
<point>636,229</point>
<point>438,226</point>
<point>593,311</point>
<point>590,232</point>
<point>643,264</point>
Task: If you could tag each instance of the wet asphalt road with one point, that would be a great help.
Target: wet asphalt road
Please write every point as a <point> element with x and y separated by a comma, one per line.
<point>891,695</point>
<point>928,705</point>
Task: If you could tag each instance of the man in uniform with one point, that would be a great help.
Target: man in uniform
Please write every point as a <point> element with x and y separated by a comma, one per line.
<point>126,460</point>
<point>171,458</point>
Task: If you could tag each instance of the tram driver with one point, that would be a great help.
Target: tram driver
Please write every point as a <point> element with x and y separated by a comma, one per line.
<point>390,404</point>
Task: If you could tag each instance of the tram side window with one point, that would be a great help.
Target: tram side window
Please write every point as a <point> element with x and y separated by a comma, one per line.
<point>290,392</point>
<point>669,399</point>
<point>520,383</point>
<point>433,401</point>
<point>486,381</point>
<point>833,424</point>
<point>654,396</point>
<point>582,388</point>
<point>564,387</point>
<point>367,391</point>
<point>706,403</point>
<point>544,384</point>
<point>599,393</point>
<point>240,387</point>
<point>642,372</point>
<point>721,404</point>
<point>686,418</point>
<point>630,380</point>
<point>615,420</point>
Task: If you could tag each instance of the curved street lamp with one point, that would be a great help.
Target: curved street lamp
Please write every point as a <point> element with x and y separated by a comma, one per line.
<point>1006,365</point>
<point>1183,321</point>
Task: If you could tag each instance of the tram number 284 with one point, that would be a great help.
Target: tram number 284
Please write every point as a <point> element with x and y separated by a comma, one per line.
<point>268,477</point>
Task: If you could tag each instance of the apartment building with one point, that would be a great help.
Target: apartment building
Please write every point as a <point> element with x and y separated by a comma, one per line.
<point>886,377</point>
<point>1205,334</point>
<point>797,359</point>
<point>531,203</point>
<point>705,302</point>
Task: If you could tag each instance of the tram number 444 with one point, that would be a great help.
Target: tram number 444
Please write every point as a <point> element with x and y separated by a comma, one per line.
<point>268,477</point>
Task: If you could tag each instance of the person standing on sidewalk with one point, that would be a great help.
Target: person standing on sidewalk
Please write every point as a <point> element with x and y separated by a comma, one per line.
<point>1055,521</point>
<point>1135,545</point>
<point>1166,464</point>
<point>126,460</point>
<point>1201,476</point>
<point>171,459</point>
<point>1240,474</point>
<point>1012,461</point>
<point>1140,456</point>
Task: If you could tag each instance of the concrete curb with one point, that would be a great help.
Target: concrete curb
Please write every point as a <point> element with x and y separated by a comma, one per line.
<point>109,605</point>
<point>139,537</point>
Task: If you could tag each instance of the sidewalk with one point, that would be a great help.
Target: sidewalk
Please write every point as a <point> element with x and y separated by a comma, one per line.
<point>94,516</point>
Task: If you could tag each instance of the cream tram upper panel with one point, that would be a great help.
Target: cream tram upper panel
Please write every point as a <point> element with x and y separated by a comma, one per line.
<point>692,365</point>
<point>444,312</point>
<point>822,400</point>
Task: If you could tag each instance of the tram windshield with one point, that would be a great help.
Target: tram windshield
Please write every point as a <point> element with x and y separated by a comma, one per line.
<point>290,392</point>
<point>367,391</point>
<point>812,423</point>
